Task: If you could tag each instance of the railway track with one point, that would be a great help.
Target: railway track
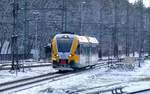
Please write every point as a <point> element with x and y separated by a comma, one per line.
<point>14,85</point>
<point>116,88</point>
<point>50,76</point>
<point>22,84</point>
<point>113,88</point>
<point>29,66</point>
<point>105,62</point>
<point>8,67</point>
<point>144,91</point>
<point>32,80</point>
<point>27,81</point>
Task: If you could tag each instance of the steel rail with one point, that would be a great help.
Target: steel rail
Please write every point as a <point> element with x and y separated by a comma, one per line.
<point>92,90</point>
<point>116,90</point>
<point>27,81</point>
<point>30,66</point>
<point>139,91</point>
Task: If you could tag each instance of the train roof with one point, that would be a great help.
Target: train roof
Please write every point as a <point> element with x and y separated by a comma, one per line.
<point>82,39</point>
<point>93,40</point>
<point>65,35</point>
<point>86,39</point>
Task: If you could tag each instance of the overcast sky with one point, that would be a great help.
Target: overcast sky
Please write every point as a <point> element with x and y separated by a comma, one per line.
<point>146,2</point>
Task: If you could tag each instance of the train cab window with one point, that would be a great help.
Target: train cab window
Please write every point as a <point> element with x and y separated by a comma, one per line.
<point>64,45</point>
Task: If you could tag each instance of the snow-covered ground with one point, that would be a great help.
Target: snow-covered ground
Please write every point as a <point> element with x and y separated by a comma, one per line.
<point>6,75</point>
<point>134,80</point>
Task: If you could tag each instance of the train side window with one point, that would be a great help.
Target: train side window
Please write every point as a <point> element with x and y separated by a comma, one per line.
<point>93,50</point>
<point>78,50</point>
<point>84,50</point>
<point>81,49</point>
<point>96,49</point>
<point>88,50</point>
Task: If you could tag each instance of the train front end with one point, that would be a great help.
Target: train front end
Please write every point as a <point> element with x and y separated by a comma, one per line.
<point>63,52</point>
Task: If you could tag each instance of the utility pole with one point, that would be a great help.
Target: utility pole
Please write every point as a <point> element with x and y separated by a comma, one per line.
<point>141,36</point>
<point>100,33</point>
<point>14,46</point>
<point>133,35</point>
<point>127,51</point>
<point>36,14</point>
<point>149,35</point>
<point>25,30</point>
<point>114,33</point>
<point>81,17</point>
<point>64,17</point>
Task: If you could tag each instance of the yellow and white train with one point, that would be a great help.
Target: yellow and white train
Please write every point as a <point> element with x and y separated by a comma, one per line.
<point>71,52</point>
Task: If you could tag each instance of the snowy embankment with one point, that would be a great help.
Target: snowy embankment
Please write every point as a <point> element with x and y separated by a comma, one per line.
<point>106,78</point>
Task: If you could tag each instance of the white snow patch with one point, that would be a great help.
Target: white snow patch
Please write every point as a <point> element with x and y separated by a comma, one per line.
<point>6,75</point>
<point>144,70</point>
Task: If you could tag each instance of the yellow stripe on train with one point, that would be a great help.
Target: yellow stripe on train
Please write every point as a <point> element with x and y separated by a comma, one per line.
<point>73,55</point>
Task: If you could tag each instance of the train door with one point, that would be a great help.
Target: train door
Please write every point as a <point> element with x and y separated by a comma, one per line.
<point>87,54</point>
<point>90,55</point>
<point>82,55</point>
<point>94,54</point>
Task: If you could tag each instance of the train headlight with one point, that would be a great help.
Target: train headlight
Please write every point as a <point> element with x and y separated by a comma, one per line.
<point>70,55</point>
<point>56,55</point>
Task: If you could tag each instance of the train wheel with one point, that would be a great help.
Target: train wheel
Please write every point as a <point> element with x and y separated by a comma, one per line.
<point>93,66</point>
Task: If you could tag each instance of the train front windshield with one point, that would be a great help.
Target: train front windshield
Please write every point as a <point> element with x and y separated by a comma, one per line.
<point>64,45</point>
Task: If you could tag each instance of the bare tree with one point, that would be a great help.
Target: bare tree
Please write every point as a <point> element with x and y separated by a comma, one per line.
<point>127,51</point>
<point>114,33</point>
